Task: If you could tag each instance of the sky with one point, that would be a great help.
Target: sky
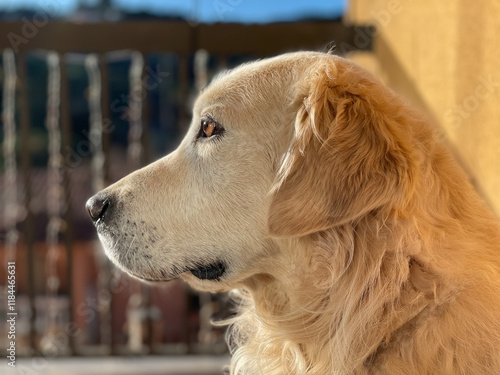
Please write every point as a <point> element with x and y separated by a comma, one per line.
<point>246,11</point>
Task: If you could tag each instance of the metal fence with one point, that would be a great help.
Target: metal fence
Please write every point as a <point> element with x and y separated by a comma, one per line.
<point>59,263</point>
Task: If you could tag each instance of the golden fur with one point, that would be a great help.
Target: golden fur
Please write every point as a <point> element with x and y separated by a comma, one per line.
<point>397,268</point>
<point>370,253</point>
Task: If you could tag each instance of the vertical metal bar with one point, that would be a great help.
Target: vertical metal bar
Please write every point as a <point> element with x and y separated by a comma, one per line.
<point>222,64</point>
<point>106,115</point>
<point>137,91</point>
<point>24,117</point>
<point>183,93</point>
<point>11,205</point>
<point>66,127</point>
<point>93,65</point>
<point>200,63</point>
<point>106,140</point>
<point>145,156</point>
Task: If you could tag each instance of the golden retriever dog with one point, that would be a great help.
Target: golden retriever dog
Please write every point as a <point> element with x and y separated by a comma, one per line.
<point>353,241</point>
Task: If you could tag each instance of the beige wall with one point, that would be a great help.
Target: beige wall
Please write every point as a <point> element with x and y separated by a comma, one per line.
<point>444,56</point>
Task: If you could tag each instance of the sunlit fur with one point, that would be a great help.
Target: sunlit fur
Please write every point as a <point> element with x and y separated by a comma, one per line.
<point>353,241</point>
<point>398,268</point>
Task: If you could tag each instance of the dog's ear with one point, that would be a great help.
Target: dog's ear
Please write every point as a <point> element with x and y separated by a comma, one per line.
<point>349,155</point>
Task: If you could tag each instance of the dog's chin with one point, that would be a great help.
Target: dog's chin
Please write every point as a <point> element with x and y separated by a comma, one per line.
<point>197,275</point>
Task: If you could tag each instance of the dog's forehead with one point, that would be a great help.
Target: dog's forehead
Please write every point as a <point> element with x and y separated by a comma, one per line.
<point>251,82</point>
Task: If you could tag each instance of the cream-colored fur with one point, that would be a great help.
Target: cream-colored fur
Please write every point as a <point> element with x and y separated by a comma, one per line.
<point>352,240</point>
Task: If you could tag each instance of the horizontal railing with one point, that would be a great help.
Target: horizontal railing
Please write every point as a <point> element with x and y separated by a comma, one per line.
<point>182,37</point>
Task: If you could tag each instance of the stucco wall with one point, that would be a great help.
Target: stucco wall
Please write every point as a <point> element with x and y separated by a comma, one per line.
<point>444,56</point>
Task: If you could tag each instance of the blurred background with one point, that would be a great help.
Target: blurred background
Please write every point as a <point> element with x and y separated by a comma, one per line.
<point>94,89</point>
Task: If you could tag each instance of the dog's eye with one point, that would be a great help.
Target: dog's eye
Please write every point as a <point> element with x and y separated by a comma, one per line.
<point>209,128</point>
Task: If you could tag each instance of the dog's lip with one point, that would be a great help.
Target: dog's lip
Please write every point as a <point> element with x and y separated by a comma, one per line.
<point>148,278</point>
<point>155,280</point>
<point>208,273</point>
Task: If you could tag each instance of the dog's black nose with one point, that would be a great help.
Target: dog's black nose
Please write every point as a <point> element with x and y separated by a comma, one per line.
<point>96,206</point>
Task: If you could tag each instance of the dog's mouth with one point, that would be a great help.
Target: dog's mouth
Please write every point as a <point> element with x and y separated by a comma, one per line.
<point>212,271</point>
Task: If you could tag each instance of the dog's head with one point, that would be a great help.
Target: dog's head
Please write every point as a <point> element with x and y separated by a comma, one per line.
<point>283,147</point>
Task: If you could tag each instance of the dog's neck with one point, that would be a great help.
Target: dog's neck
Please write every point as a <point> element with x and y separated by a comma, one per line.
<point>351,282</point>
